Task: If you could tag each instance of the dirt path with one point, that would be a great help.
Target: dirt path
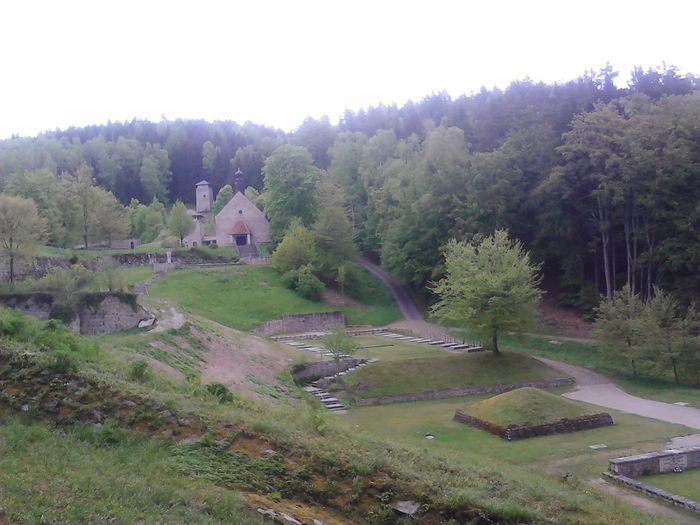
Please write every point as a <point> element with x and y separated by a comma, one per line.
<point>599,390</point>
<point>401,294</point>
<point>167,321</point>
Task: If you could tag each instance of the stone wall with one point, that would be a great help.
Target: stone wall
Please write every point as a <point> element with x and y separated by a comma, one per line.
<point>459,392</point>
<point>513,432</point>
<point>656,462</point>
<point>32,268</point>
<point>300,323</point>
<point>674,499</point>
<point>92,313</point>
<point>35,304</point>
<point>108,313</point>
<point>307,372</point>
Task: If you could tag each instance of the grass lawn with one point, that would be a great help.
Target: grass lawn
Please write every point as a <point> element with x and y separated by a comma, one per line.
<point>409,423</point>
<point>445,370</point>
<point>682,483</point>
<point>244,297</point>
<point>103,477</point>
<point>526,406</point>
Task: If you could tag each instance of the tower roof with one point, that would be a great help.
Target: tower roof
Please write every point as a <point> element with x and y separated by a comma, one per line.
<point>202,183</point>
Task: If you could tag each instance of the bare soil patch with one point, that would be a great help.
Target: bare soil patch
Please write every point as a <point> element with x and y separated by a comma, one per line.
<point>334,297</point>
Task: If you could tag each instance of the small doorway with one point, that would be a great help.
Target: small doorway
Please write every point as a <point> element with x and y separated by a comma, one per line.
<point>241,240</point>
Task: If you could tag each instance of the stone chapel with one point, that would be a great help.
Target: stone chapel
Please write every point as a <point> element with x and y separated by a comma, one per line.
<point>240,223</point>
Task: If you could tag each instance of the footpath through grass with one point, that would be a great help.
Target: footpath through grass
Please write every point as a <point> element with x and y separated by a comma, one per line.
<point>244,297</point>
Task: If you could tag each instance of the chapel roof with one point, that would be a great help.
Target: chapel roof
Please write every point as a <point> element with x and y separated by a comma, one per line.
<point>202,183</point>
<point>240,228</point>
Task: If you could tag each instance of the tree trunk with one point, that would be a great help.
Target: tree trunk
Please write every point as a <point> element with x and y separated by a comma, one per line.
<point>605,241</point>
<point>675,369</point>
<point>12,269</point>
<point>494,341</point>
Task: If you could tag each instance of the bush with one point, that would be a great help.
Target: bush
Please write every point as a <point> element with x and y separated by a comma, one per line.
<point>139,371</point>
<point>65,280</point>
<point>220,391</point>
<point>62,362</point>
<point>16,325</point>
<point>170,242</point>
<point>290,279</point>
<point>308,285</point>
<point>64,312</point>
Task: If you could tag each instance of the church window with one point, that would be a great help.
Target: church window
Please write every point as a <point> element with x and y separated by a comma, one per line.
<point>240,212</point>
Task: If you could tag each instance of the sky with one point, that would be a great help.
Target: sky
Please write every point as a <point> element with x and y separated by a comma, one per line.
<point>73,63</point>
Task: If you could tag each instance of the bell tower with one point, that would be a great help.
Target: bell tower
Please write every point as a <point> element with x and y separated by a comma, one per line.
<point>238,183</point>
<point>204,196</point>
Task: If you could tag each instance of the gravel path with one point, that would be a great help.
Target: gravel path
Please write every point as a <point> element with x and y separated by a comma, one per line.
<point>599,390</point>
<point>401,294</point>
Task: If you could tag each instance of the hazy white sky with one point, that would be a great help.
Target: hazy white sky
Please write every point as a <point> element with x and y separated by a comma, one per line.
<point>275,62</point>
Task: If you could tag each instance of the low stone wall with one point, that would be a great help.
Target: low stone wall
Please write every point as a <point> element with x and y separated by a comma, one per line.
<point>107,313</point>
<point>513,432</point>
<point>675,499</point>
<point>92,313</point>
<point>308,372</point>
<point>300,323</point>
<point>35,304</point>
<point>459,392</point>
<point>655,462</point>
<point>32,268</point>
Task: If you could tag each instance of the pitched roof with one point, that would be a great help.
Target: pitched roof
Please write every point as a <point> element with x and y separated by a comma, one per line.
<point>202,183</point>
<point>240,228</point>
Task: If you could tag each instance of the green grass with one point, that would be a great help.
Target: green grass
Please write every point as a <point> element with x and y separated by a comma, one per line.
<point>526,406</point>
<point>443,371</point>
<point>685,483</point>
<point>244,297</point>
<point>154,247</point>
<point>407,424</point>
<point>76,477</point>
<point>591,355</point>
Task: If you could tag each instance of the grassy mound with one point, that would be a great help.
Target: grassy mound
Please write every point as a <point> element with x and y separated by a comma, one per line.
<point>444,371</point>
<point>526,406</point>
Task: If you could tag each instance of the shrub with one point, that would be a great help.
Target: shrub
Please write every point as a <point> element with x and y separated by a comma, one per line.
<point>290,279</point>
<point>170,242</point>
<point>63,311</point>
<point>308,285</point>
<point>295,250</point>
<point>62,362</point>
<point>220,391</point>
<point>139,371</point>
<point>16,325</point>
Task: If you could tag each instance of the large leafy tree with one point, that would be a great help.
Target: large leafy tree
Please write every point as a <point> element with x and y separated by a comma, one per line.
<point>180,222</point>
<point>290,182</point>
<point>225,194</point>
<point>21,228</point>
<point>490,285</point>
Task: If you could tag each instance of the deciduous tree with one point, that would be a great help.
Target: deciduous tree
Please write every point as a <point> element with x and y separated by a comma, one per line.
<point>180,222</point>
<point>490,285</point>
<point>21,228</point>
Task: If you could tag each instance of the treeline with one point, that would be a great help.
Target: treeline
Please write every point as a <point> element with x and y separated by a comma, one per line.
<point>599,183</point>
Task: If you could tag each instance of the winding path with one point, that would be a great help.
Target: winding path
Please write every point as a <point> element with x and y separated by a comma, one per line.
<point>590,387</point>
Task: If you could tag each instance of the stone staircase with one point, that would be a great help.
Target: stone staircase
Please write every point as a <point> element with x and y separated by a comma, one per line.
<point>249,250</point>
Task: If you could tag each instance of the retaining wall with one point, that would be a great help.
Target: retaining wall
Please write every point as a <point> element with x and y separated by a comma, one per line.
<point>307,372</point>
<point>92,313</point>
<point>300,323</point>
<point>459,392</point>
<point>561,426</point>
<point>32,268</point>
<point>656,462</point>
<point>675,499</point>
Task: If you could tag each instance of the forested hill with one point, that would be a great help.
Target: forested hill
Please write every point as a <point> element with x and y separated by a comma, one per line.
<point>600,183</point>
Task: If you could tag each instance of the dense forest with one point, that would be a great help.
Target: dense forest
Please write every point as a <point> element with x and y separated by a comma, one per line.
<point>599,182</point>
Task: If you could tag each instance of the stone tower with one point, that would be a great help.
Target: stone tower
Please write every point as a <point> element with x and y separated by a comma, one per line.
<point>205,198</point>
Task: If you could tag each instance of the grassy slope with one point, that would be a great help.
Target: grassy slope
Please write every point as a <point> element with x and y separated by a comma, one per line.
<point>445,370</point>
<point>98,475</point>
<point>76,477</point>
<point>244,297</point>
<point>684,483</point>
<point>526,406</point>
<point>592,356</point>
